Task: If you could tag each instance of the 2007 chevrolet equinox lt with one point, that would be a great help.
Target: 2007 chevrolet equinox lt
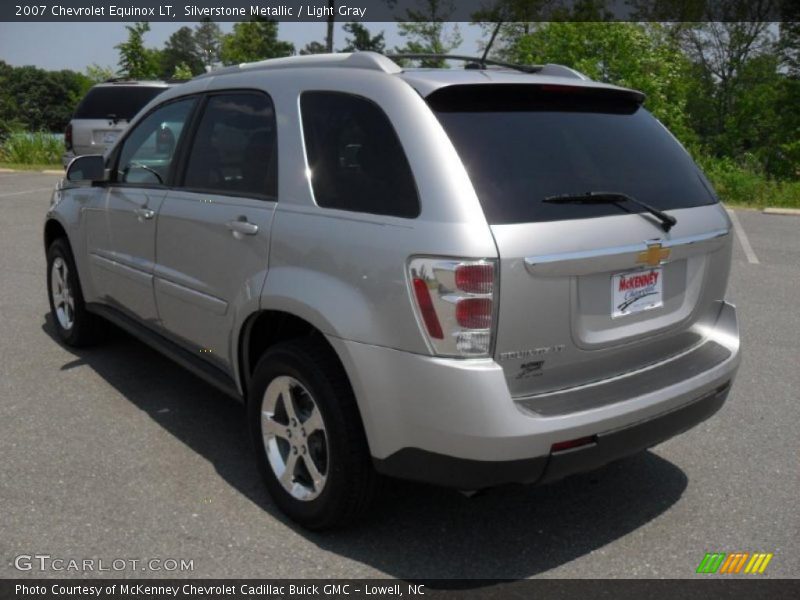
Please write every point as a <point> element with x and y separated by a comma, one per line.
<point>467,277</point>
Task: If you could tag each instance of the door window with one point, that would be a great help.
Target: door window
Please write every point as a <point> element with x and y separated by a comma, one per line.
<point>235,148</point>
<point>148,152</point>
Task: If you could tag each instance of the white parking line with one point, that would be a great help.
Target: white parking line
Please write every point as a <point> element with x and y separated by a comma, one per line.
<point>25,192</point>
<point>748,249</point>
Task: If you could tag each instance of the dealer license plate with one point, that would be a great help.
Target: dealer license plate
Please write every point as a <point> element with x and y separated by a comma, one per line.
<point>636,291</point>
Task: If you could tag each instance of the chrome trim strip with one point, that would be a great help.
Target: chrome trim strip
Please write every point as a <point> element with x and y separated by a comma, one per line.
<point>532,262</point>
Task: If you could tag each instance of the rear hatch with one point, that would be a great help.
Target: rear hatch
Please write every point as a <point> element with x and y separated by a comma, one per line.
<point>591,287</point>
<point>105,112</point>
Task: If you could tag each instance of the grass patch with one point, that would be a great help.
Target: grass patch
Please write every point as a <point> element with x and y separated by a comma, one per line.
<point>739,185</point>
<point>38,148</point>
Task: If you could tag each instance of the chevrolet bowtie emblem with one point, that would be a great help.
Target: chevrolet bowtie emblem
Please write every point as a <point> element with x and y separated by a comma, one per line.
<point>653,256</point>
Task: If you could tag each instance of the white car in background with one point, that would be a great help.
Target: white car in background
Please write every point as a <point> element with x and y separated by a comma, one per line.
<point>104,113</point>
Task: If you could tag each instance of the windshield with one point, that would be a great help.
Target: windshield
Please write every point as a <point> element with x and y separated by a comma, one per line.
<point>521,144</point>
<point>122,101</point>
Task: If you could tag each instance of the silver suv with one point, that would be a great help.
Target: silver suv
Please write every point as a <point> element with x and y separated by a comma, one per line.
<point>467,277</point>
<point>104,113</point>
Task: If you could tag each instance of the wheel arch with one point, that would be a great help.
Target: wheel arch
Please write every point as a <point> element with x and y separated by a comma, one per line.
<point>53,229</point>
<point>267,327</point>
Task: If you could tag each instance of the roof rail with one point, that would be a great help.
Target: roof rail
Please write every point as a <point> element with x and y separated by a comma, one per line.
<point>473,62</point>
<point>386,63</point>
<point>353,60</point>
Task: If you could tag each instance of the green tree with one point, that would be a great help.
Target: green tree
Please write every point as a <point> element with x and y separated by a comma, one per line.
<point>181,49</point>
<point>428,31</point>
<point>96,74</point>
<point>361,39</point>
<point>313,48</point>
<point>721,51</point>
<point>208,37</point>
<point>136,61</point>
<point>181,72</point>
<point>252,41</point>
<point>789,46</point>
<point>38,100</point>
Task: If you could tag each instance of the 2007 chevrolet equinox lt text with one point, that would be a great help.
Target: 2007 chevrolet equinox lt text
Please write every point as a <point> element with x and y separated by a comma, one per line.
<point>467,277</point>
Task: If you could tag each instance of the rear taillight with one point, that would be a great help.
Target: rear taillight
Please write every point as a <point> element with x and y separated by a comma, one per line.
<point>68,137</point>
<point>455,302</point>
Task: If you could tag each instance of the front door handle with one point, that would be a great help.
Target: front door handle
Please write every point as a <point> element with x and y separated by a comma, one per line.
<point>145,213</point>
<point>242,227</point>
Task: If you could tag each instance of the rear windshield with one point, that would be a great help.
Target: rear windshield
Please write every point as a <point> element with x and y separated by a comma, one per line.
<point>121,101</point>
<point>522,143</point>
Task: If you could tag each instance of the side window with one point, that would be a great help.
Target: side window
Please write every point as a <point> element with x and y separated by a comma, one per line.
<point>235,148</point>
<point>355,158</point>
<point>147,153</point>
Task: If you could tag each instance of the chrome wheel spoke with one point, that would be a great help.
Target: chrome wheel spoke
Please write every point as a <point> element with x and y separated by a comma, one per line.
<point>271,427</point>
<point>287,477</point>
<point>313,422</point>
<point>288,403</point>
<point>317,477</point>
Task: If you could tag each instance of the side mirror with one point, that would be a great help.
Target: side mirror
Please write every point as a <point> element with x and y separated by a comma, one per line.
<point>89,167</point>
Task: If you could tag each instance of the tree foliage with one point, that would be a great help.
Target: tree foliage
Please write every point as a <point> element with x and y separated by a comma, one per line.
<point>253,40</point>
<point>37,100</point>
<point>208,38</point>
<point>182,50</point>
<point>360,39</point>
<point>428,32</point>
<point>135,60</point>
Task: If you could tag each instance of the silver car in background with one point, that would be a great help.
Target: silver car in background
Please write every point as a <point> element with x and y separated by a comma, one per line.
<point>104,113</point>
<point>467,277</point>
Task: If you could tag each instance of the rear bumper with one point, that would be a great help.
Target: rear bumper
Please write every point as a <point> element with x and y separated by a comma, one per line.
<point>420,465</point>
<point>453,422</point>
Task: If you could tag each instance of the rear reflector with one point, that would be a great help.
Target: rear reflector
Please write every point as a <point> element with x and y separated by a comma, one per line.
<point>426,309</point>
<point>569,444</point>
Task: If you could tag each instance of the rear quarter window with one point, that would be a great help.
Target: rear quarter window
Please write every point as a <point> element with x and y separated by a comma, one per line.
<point>523,143</point>
<point>355,157</point>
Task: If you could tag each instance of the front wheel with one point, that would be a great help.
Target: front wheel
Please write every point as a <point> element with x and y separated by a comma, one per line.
<point>308,437</point>
<point>74,325</point>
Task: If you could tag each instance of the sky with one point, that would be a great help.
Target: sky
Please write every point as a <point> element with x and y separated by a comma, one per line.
<point>75,46</point>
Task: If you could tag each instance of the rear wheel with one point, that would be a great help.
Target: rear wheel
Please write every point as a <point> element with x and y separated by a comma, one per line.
<point>74,325</point>
<point>308,437</point>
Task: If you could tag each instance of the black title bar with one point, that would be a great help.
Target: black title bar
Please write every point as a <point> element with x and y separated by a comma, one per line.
<point>394,10</point>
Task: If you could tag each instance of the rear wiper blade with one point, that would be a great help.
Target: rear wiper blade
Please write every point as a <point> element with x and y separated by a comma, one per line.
<point>667,221</point>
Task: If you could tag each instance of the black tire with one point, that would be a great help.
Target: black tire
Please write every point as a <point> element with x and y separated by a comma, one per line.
<point>84,329</point>
<point>350,478</point>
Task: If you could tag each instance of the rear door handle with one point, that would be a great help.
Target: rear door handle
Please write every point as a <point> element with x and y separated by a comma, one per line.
<point>243,227</point>
<point>145,213</point>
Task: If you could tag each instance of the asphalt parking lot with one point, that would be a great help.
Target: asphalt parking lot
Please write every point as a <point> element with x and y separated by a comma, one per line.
<point>116,452</point>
